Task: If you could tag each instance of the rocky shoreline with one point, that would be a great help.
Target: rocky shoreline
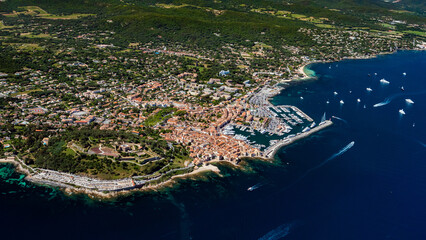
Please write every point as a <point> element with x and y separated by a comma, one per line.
<point>68,188</point>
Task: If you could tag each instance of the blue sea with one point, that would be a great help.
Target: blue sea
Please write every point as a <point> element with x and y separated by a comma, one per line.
<point>315,188</point>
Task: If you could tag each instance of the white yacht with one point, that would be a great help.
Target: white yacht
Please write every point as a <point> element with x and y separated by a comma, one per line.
<point>306,129</point>
<point>383,81</point>
<point>409,101</point>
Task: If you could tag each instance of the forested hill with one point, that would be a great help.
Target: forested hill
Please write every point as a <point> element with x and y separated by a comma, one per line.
<point>418,6</point>
<point>212,23</point>
<point>359,6</point>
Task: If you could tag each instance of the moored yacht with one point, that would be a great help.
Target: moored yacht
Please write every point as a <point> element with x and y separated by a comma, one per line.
<point>306,129</point>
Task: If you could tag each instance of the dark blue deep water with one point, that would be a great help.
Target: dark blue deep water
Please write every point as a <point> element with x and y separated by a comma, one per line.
<point>374,190</point>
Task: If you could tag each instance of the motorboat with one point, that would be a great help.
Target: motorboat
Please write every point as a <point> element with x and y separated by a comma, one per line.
<point>383,81</point>
<point>409,101</point>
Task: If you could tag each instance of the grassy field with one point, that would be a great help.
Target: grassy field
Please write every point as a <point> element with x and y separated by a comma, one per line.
<point>290,15</point>
<point>26,92</point>
<point>39,12</point>
<point>163,5</point>
<point>386,25</point>
<point>423,34</point>
<point>280,12</point>
<point>29,47</point>
<point>262,45</point>
<point>158,117</point>
<point>401,11</point>
<point>325,26</point>
<point>2,26</point>
<point>298,15</point>
<point>65,17</point>
<point>34,10</point>
<point>312,20</point>
<point>69,151</point>
<point>30,35</point>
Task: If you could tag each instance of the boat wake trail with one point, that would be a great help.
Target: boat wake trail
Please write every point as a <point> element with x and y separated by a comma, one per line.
<point>346,148</point>
<point>278,233</point>
<point>254,187</point>
<point>343,150</point>
<point>341,119</point>
<point>421,143</point>
<point>385,102</point>
<point>392,97</point>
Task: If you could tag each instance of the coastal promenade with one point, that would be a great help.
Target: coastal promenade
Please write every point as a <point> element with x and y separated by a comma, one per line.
<point>61,179</point>
<point>73,180</point>
<point>68,180</point>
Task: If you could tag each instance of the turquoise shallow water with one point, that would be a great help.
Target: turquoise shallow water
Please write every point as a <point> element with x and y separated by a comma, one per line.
<point>309,71</point>
<point>374,190</point>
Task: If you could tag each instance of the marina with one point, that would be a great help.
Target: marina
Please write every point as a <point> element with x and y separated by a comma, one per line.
<point>274,127</point>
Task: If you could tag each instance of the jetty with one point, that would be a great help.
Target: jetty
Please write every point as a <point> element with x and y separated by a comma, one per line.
<point>271,150</point>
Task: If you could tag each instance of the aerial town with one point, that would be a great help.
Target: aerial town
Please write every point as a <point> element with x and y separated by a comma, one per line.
<point>186,106</point>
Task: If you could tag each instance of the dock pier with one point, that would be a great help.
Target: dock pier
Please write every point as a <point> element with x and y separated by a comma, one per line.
<point>270,151</point>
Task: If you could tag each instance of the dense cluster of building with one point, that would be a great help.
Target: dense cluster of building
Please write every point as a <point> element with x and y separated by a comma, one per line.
<point>86,79</point>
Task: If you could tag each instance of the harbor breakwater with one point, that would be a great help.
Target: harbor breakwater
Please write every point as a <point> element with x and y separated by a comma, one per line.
<point>270,151</point>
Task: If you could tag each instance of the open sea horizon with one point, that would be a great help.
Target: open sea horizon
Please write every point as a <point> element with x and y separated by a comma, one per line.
<point>321,187</point>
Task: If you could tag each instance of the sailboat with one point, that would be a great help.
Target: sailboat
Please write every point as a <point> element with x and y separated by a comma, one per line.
<point>322,119</point>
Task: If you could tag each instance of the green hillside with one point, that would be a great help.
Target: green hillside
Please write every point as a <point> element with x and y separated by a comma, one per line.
<point>213,23</point>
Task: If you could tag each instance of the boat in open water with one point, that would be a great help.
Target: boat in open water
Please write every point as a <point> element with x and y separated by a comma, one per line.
<point>409,101</point>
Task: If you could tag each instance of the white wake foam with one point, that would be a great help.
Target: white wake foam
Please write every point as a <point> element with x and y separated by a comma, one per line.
<point>277,233</point>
